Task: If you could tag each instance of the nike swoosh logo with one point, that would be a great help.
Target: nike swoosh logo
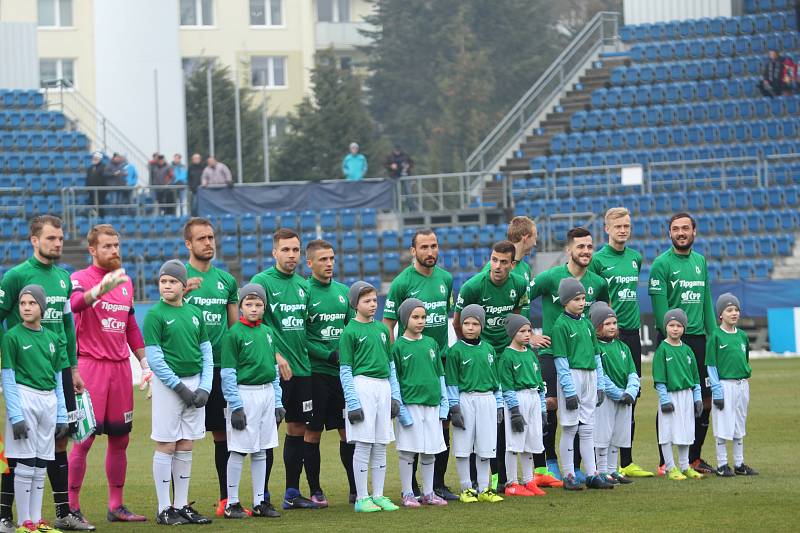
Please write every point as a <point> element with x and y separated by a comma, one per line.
<point>517,366</point>
<point>315,304</point>
<point>676,272</point>
<point>555,299</point>
<point>414,293</point>
<point>170,321</point>
<point>609,268</point>
<point>486,299</point>
<point>26,347</point>
<point>273,306</point>
<point>467,361</point>
<point>406,356</point>
<point>248,343</point>
<point>184,477</point>
<point>723,346</point>
<point>669,358</point>
<point>572,335</point>
<point>275,293</point>
<point>362,339</point>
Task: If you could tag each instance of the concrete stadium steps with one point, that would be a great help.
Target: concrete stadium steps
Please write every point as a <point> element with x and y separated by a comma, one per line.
<point>789,267</point>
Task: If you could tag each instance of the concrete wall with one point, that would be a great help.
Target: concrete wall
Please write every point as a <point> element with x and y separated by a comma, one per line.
<point>19,59</point>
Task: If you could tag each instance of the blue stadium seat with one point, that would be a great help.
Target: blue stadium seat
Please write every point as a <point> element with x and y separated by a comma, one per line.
<point>369,218</point>
<point>248,224</point>
<point>308,221</point>
<point>351,265</point>
<point>350,242</point>
<point>249,246</point>
<point>391,263</point>
<point>371,264</point>
<point>369,241</point>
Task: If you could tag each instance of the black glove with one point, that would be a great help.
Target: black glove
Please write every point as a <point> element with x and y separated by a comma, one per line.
<point>601,396</point>
<point>333,358</point>
<point>571,402</point>
<point>500,415</point>
<point>456,418</point>
<point>185,393</point>
<point>627,399</point>
<point>280,414</point>
<point>698,408</point>
<point>667,408</point>
<point>395,408</point>
<point>62,430</point>
<point>200,398</point>
<point>20,430</point>
<point>238,419</point>
<point>517,420</point>
<point>355,416</point>
<point>719,403</point>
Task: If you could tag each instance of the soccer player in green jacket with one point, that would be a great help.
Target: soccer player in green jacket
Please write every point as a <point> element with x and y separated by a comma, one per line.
<point>327,317</point>
<point>522,234</point>
<point>728,361</point>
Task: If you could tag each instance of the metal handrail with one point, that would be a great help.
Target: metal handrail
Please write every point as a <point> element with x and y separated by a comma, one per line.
<point>443,192</point>
<point>542,94</point>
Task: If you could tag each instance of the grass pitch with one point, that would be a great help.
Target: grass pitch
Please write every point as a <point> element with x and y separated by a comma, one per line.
<point>766,502</point>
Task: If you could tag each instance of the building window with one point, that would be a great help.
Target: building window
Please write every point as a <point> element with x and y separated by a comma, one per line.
<point>268,71</point>
<point>333,10</point>
<point>53,70</point>
<point>266,12</point>
<point>197,12</point>
<point>54,13</point>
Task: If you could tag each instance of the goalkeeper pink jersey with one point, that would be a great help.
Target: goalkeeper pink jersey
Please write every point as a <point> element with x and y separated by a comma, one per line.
<point>108,327</point>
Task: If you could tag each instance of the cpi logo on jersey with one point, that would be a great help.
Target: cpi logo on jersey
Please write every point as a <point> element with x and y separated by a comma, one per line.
<point>111,323</point>
<point>331,332</point>
<point>690,297</point>
<point>627,294</point>
<point>292,323</point>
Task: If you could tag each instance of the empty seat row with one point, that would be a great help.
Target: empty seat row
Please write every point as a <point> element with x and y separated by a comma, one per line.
<point>20,98</point>
<point>688,70</point>
<point>305,221</point>
<point>761,6</point>
<point>32,120</point>
<point>43,162</point>
<point>688,29</point>
<point>783,41</point>
<point>35,141</point>
<point>706,91</point>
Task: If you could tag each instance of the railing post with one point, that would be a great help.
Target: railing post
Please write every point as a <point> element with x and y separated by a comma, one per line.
<point>105,147</point>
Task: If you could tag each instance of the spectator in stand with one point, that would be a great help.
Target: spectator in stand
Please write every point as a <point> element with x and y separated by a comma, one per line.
<point>115,175</point>
<point>96,177</point>
<point>789,76</point>
<point>161,174</point>
<point>131,180</point>
<point>772,80</point>
<point>216,174</point>
<point>398,163</point>
<point>196,168</point>
<point>354,165</point>
<point>180,172</point>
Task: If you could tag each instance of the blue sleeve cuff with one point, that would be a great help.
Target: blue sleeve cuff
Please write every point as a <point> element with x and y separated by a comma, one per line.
<point>633,385</point>
<point>564,376</point>
<point>405,417</point>
<point>155,358</point>
<point>696,393</point>
<point>510,398</point>
<point>663,395</point>
<point>498,398</point>
<point>230,389</point>
<point>600,373</point>
<point>207,373</point>
<point>349,388</point>
<point>444,404</point>
<point>452,395</point>
<point>394,385</point>
<point>543,401</point>
<point>61,405</point>
<point>11,394</point>
<point>276,388</point>
<point>716,386</point>
<point>611,389</point>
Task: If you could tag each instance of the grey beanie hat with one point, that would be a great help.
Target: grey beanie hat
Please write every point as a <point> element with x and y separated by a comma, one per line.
<point>356,290</point>
<point>726,300</point>
<point>252,289</point>
<point>174,268</point>
<point>675,314</point>
<point>37,291</point>
<point>568,289</point>
<point>599,312</point>
<point>514,322</point>
<point>405,309</point>
<point>474,311</point>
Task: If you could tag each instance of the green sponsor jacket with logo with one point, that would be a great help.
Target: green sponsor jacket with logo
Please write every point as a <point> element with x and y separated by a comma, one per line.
<point>523,270</point>
<point>250,352</point>
<point>217,290</point>
<point>472,368</point>
<point>436,291</point>
<point>419,367</point>
<point>286,314</point>
<point>621,272</point>
<point>681,281</point>
<point>730,353</point>
<point>33,356</point>
<point>328,314</point>
<point>57,287</point>
<point>497,301</point>
<point>546,286</point>
<point>575,339</point>
<point>365,348</point>
<point>179,331</point>
<point>617,361</point>
<point>519,370</point>
<point>675,366</point>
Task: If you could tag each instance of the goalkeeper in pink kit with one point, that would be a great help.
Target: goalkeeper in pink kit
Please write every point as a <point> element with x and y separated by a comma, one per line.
<point>105,325</point>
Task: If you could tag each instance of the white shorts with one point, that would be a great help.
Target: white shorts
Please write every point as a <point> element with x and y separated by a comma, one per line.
<point>612,424</point>
<point>677,427</point>
<point>585,383</point>
<point>261,432</point>
<point>479,435</point>
<point>424,435</point>
<point>530,440</point>
<point>172,420</point>
<point>39,409</point>
<point>375,396</point>
<point>729,423</point>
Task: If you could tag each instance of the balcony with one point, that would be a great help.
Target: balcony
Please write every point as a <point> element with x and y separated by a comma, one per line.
<point>340,35</point>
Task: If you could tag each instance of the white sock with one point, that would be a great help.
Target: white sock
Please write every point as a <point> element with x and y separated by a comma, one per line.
<point>511,467</point>
<point>566,449</point>
<point>527,467</point>
<point>484,469</point>
<point>377,464</point>
<point>235,464</point>
<point>669,459</point>
<point>37,493</point>
<point>462,466</point>
<point>23,481</point>
<point>162,476</point>
<point>683,456</point>
<point>258,474</point>
<point>361,468</point>
<point>738,452</point>
<point>406,467</point>
<point>722,452</point>
<point>426,462</point>
<point>181,475</point>
<point>586,442</point>
<point>602,460</point>
<point>613,457</point>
